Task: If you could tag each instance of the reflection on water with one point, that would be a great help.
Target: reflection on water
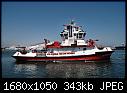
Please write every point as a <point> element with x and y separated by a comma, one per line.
<point>29,70</point>
<point>75,70</point>
<point>64,70</point>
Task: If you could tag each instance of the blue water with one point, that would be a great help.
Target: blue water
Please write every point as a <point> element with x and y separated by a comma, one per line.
<point>113,68</point>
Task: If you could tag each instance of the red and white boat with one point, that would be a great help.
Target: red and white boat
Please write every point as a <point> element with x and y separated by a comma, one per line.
<point>72,48</point>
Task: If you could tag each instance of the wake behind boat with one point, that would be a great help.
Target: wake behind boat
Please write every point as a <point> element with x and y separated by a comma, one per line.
<point>73,47</point>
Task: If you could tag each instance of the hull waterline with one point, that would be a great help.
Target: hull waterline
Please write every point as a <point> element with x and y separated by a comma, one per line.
<point>94,57</point>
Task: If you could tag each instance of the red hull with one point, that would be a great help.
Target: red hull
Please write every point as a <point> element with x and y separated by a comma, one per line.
<point>97,56</point>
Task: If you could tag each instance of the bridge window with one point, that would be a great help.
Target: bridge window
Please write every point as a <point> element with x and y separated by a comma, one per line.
<point>61,35</point>
<point>68,27</point>
<point>77,35</point>
<point>84,34</point>
<point>80,35</point>
<point>76,28</point>
<point>66,36</point>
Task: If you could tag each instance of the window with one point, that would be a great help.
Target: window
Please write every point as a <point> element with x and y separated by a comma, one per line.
<point>84,48</point>
<point>66,36</point>
<point>77,35</point>
<point>84,34</point>
<point>76,28</point>
<point>80,35</point>
<point>68,27</point>
<point>61,35</point>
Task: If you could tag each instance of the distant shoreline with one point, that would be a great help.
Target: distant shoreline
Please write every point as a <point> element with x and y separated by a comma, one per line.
<point>120,48</point>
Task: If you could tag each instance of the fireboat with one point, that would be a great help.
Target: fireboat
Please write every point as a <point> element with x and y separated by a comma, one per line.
<point>73,47</point>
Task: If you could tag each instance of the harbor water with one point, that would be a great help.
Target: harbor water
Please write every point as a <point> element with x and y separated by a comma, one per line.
<point>113,68</point>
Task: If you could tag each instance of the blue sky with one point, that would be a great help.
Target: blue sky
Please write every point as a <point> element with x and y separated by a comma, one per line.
<point>26,23</point>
